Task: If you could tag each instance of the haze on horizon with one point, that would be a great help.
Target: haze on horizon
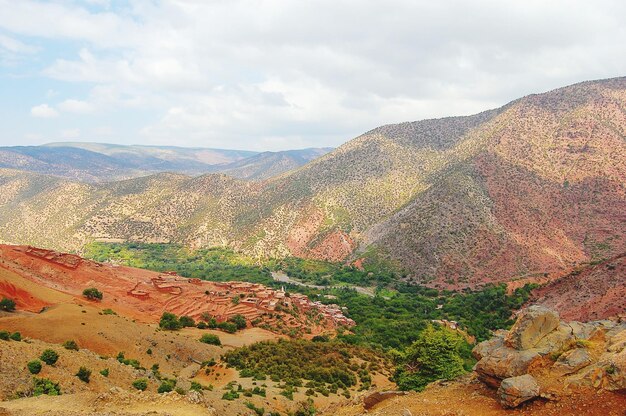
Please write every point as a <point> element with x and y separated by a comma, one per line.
<point>274,75</point>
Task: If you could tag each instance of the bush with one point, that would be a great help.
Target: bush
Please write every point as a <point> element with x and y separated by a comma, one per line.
<point>92,294</point>
<point>108,312</point>
<point>140,384</point>
<point>320,338</point>
<point>230,395</point>
<point>70,345</point>
<point>83,374</point>
<point>187,321</point>
<point>105,372</point>
<point>170,322</point>
<point>195,386</point>
<point>166,386</point>
<point>7,305</point>
<point>210,339</point>
<point>49,357</point>
<point>45,386</point>
<point>16,336</point>
<point>229,327</point>
<point>5,335</point>
<point>201,325</point>
<point>34,366</point>
<point>239,321</point>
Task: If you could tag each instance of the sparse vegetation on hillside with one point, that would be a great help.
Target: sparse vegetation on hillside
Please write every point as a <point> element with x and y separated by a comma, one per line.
<point>49,357</point>
<point>210,339</point>
<point>7,305</point>
<point>92,293</point>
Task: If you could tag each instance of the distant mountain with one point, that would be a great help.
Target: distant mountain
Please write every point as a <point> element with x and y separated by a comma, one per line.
<point>533,187</point>
<point>101,162</point>
<point>268,164</point>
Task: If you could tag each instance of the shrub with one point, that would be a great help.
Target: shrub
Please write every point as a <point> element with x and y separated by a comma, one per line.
<point>105,372</point>
<point>170,322</point>
<point>92,293</point>
<point>108,312</point>
<point>140,384</point>
<point>70,345</point>
<point>7,305</point>
<point>5,335</point>
<point>166,386</point>
<point>239,321</point>
<point>45,386</point>
<point>187,321</point>
<point>320,338</point>
<point>210,339</point>
<point>201,325</point>
<point>229,327</point>
<point>83,374</point>
<point>34,366</point>
<point>16,336</point>
<point>195,386</point>
<point>149,351</point>
<point>230,395</point>
<point>181,391</point>
<point>49,357</point>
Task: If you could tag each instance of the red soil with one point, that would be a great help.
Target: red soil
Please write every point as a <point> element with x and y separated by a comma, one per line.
<point>145,295</point>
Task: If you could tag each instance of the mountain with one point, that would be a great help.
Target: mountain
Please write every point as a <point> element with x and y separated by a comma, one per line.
<point>98,162</point>
<point>536,186</point>
<point>268,164</point>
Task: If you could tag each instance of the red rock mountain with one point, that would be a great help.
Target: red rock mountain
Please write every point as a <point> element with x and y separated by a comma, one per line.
<point>534,187</point>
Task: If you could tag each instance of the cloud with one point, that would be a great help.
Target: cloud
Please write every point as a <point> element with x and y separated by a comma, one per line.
<point>70,134</point>
<point>43,111</point>
<point>278,73</point>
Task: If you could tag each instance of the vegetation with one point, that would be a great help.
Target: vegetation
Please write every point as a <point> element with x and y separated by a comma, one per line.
<point>5,335</point>
<point>49,357</point>
<point>34,366</point>
<point>436,355</point>
<point>92,293</point>
<point>45,386</point>
<point>141,384</point>
<point>170,322</point>
<point>128,361</point>
<point>187,321</point>
<point>70,345</point>
<point>83,374</point>
<point>327,366</point>
<point>210,339</point>
<point>166,386</point>
<point>104,372</point>
<point>7,305</point>
<point>16,336</point>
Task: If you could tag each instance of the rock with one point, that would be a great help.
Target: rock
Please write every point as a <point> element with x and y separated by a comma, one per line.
<point>373,399</point>
<point>514,391</point>
<point>504,362</point>
<point>572,361</point>
<point>486,348</point>
<point>407,412</point>
<point>531,326</point>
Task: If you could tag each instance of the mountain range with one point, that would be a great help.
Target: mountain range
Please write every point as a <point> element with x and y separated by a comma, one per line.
<point>533,188</point>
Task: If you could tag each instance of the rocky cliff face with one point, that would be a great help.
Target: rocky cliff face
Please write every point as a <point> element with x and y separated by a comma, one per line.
<point>542,356</point>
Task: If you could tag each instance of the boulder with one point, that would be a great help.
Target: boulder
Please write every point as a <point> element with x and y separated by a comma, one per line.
<point>534,323</point>
<point>504,362</point>
<point>514,391</point>
<point>572,361</point>
<point>376,397</point>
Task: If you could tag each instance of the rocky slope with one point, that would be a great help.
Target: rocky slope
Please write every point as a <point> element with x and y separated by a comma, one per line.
<point>534,187</point>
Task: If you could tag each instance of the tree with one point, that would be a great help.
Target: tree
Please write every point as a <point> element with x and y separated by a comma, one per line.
<point>16,336</point>
<point>45,386</point>
<point>187,321</point>
<point>92,294</point>
<point>435,355</point>
<point>239,321</point>
<point>210,339</point>
<point>170,322</point>
<point>34,366</point>
<point>7,305</point>
<point>49,357</point>
<point>83,374</point>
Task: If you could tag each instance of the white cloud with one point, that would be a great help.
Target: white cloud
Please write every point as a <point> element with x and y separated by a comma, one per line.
<point>75,106</point>
<point>251,73</point>
<point>43,111</point>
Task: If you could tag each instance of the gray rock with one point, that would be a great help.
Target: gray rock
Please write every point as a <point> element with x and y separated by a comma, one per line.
<point>533,324</point>
<point>572,361</point>
<point>514,391</point>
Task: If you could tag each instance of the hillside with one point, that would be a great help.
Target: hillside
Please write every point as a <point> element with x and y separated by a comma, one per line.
<point>268,164</point>
<point>534,187</point>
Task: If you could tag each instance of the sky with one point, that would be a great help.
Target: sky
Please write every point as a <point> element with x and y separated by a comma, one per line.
<point>277,74</point>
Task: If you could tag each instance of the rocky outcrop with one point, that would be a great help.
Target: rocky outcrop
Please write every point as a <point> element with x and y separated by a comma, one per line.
<point>514,391</point>
<point>540,350</point>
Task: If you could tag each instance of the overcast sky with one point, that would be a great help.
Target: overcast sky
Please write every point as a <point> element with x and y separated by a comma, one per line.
<point>271,75</point>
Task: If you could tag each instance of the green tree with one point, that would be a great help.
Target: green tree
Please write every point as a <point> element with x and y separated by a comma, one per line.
<point>45,386</point>
<point>7,305</point>
<point>92,293</point>
<point>49,357</point>
<point>170,322</point>
<point>210,339</point>
<point>70,345</point>
<point>16,336</point>
<point>83,374</point>
<point>34,366</point>
<point>435,355</point>
<point>238,320</point>
<point>187,321</point>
